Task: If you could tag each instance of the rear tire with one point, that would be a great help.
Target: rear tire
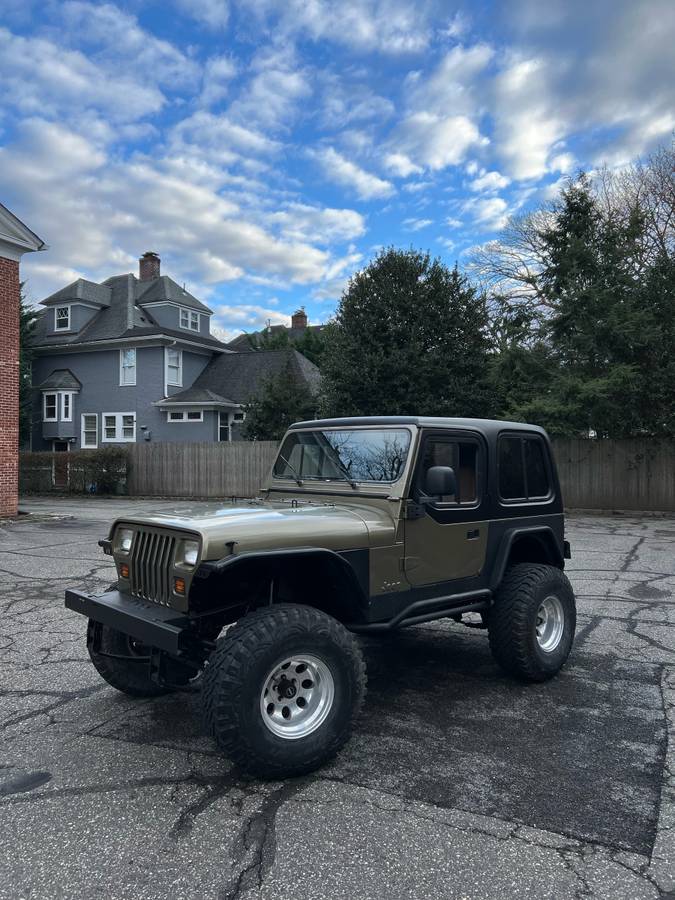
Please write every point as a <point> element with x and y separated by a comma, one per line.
<point>531,624</point>
<point>282,689</point>
<point>121,661</point>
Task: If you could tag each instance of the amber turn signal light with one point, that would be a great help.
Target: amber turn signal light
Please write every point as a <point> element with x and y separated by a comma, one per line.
<point>124,570</point>
<point>179,585</point>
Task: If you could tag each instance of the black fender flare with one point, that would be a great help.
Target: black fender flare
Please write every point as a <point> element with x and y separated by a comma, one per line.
<point>544,533</point>
<point>350,567</point>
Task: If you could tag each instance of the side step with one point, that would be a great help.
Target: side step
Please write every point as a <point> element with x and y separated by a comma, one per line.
<point>453,605</point>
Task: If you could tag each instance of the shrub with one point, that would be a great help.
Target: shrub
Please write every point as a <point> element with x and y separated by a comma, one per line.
<point>101,471</point>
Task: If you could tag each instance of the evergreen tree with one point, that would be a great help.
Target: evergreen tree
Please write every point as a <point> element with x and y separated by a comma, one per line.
<point>280,400</point>
<point>409,337</point>
<point>604,325</point>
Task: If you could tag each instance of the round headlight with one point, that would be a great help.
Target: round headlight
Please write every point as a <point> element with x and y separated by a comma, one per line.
<point>124,538</point>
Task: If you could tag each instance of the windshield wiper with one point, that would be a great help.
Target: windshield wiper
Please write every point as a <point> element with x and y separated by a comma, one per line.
<point>345,471</point>
<point>297,477</point>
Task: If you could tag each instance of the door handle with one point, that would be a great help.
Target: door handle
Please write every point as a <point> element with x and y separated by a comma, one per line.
<point>473,534</point>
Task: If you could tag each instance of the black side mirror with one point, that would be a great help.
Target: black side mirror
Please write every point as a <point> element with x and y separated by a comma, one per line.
<point>440,481</point>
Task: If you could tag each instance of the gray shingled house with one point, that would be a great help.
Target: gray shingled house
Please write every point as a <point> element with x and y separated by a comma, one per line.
<point>134,359</point>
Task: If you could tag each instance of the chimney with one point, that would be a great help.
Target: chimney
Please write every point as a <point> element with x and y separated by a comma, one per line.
<point>148,266</point>
<point>299,318</point>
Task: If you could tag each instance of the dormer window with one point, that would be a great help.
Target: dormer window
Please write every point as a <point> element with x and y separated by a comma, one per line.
<point>189,319</point>
<point>62,318</point>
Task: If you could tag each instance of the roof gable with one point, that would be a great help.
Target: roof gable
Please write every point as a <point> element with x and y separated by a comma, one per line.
<point>15,237</point>
<point>165,289</point>
<point>86,291</point>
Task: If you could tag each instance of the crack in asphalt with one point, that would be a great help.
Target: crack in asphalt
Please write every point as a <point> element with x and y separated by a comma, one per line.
<point>257,841</point>
<point>255,845</point>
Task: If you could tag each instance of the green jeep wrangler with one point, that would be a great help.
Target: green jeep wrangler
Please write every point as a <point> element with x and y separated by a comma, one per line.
<point>365,525</point>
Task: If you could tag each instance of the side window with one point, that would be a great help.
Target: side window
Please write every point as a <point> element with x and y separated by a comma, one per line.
<point>535,469</point>
<point>462,456</point>
<point>511,471</point>
<point>523,472</point>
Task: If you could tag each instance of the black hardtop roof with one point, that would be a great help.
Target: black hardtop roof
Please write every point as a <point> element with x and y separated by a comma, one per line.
<point>489,427</point>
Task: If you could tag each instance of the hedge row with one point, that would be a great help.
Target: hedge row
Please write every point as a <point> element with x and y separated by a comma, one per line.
<point>101,471</point>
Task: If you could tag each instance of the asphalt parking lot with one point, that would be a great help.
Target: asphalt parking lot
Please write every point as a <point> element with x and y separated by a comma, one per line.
<point>458,783</point>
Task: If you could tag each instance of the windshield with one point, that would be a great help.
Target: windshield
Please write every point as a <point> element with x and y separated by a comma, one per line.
<point>331,455</point>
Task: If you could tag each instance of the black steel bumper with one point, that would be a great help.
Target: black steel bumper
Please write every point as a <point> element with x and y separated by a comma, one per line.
<point>154,625</point>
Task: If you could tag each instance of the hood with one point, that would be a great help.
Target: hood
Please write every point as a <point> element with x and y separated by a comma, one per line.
<point>267,526</point>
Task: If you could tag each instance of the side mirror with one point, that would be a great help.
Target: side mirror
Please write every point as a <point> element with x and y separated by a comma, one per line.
<point>440,481</point>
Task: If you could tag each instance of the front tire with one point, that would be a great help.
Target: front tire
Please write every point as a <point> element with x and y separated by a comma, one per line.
<point>121,661</point>
<point>531,625</point>
<point>283,689</point>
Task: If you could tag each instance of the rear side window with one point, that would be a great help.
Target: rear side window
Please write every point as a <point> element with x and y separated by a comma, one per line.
<point>523,470</point>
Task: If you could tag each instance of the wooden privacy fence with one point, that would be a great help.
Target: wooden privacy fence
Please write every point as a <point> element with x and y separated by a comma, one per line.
<point>595,474</point>
<point>236,469</point>
<point>617,474</point>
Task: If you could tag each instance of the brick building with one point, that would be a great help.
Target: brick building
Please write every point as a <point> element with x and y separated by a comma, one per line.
<point>15,240</point>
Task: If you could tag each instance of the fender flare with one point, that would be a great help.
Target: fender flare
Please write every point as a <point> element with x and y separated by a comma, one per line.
<point>542,532</point>
<point>355,582</point>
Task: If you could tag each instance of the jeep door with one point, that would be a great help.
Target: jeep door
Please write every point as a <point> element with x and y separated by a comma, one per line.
<point>446,537</point>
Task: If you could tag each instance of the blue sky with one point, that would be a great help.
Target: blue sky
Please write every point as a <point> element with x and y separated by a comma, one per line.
<point>266,149</point>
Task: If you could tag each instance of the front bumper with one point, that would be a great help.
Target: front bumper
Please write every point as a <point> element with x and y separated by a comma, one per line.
<point>154,625</point>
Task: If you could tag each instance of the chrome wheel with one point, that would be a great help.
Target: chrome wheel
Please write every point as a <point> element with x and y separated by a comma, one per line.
<point>297,696</point>
<point>550,623</point>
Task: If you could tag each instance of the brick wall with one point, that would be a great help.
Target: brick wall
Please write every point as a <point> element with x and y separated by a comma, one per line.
<point>9,386</point>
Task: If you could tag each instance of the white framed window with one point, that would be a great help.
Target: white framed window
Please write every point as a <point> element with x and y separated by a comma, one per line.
<point>62,318</point>
<point>184,415</point>
<point>239,416</point>
<point>118,428</point>
<point>224,431</point>
<point>50,407</point>
<point>174,366</point>
<point>127,366</point>
<point>66,407</point>
<point>89,430</point>
<point>189,319</point>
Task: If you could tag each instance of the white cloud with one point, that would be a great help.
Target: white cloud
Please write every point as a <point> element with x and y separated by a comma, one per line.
<point>300,222</point>
<point>41,78</point>
<point>344,102</point>
<point>391,26</point>
<point>489,213</point>
<point>416,224</point>
<point>457,26</point>
<point>218,138</point>
<point>214,14</point>
<point>98,212</point>
<point>118,43</point>
<point>415,187</point>
<point>250,316</point>
<point>218,73</point>
<point>399,164</point>
<point>347,173</point>
<point>434,141</point>
<point>272,97</point>
<point>527,123</point>
<point>489,181</point>
<point>563,162</point>
<point>452,84</point>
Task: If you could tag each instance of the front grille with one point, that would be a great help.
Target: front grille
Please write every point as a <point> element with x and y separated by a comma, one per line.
<point>150,561</point>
